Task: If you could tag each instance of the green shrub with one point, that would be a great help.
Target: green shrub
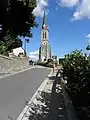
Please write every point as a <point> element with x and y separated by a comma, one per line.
<point>76,69</point>
<point>45,64</point>
<point>50,61</point>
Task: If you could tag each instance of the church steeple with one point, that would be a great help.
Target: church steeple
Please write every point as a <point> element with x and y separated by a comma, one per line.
<point>44,19</point>
<point>45,50</point>
<point>44,26</point>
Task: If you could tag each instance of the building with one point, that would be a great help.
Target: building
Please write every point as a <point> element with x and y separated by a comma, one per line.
<point>61,60</point>
<point>54,58</point>
<point>45,49</point>
<point>18,52</point>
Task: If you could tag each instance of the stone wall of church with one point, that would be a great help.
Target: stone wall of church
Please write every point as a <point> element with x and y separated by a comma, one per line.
<point>49,52</point>
<point>10,65</point>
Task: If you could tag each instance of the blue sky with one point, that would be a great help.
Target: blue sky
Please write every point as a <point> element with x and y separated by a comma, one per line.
<point>68,22</point>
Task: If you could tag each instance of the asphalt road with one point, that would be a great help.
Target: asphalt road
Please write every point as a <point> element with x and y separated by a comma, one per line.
<point>14,89</point>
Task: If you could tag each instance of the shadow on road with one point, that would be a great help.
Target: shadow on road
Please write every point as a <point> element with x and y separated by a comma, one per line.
<point>57,108</point>
<point>52,78</point>
<point>40,110</point>
<point>49,106</point>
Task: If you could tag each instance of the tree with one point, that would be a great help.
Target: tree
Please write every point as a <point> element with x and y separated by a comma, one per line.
<point>16,18</point>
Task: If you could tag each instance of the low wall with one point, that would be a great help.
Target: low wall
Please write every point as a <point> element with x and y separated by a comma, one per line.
<point>71,113</point>
<point>10,65</point>
<point>70,110</point>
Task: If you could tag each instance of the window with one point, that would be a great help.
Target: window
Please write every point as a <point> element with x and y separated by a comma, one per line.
<point>45,34</point>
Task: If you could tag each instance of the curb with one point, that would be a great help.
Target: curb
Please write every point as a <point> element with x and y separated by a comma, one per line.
<point>22,114</point>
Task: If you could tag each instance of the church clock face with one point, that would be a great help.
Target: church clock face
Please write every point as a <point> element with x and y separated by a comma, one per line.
<point>44,43</point>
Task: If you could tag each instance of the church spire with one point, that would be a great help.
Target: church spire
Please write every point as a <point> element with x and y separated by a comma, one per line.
<point>44,26</point>
<point>44,19</point>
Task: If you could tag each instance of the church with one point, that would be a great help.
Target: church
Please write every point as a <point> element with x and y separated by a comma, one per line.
<point>45,49</point>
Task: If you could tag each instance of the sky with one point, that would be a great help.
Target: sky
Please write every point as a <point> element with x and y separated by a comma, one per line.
<point>68,23</point>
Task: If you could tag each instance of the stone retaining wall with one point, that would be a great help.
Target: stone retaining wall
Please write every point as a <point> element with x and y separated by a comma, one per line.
<point>10,65</point>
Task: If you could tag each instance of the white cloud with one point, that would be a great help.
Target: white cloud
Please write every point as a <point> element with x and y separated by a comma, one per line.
<point>35,52</point>
<point>88,36</point>
<point>82,10</point>
<point>77,16</point>
<point>41,5</point>
<point>34,55</point>
<point>67,3</point>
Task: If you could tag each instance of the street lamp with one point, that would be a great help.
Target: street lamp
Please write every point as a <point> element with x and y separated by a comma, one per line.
<point>88,47</point>
<point>26,41</point>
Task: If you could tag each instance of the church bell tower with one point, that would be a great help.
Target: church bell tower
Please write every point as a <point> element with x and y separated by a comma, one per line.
<point>45,50</point>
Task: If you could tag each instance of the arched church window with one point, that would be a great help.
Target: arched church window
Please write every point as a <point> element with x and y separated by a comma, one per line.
<point>45,35</point>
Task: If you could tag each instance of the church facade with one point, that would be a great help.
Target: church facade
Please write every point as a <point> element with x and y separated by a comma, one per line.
<point>45,49</point>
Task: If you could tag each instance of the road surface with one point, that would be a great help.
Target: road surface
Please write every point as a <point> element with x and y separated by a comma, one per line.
<point>14,89</point>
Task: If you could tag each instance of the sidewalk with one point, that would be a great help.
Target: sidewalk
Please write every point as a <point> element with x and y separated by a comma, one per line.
<point>48,103</point>
<point>57,106</point>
